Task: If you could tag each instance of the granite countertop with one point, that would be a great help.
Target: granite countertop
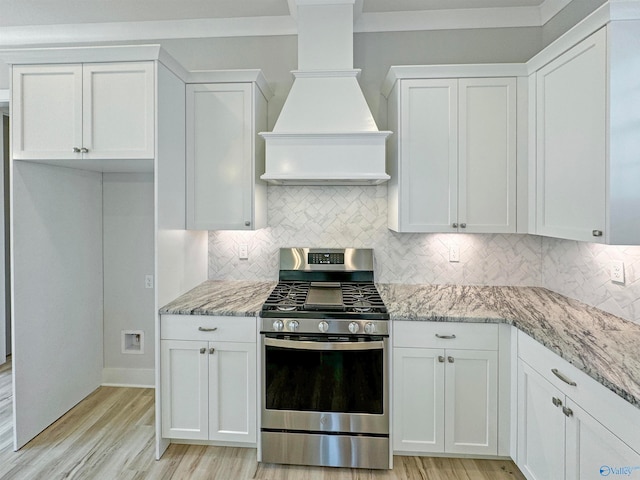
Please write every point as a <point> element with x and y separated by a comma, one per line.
<point>224,298</point>
<point>604,346</point>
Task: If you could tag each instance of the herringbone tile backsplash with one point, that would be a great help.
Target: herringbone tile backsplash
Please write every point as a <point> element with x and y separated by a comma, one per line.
<point>357,217</point>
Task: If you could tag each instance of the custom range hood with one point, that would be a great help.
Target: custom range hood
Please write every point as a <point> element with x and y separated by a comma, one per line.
<point>325,134</point>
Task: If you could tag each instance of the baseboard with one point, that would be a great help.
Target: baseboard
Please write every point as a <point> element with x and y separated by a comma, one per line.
<point>128,377</point>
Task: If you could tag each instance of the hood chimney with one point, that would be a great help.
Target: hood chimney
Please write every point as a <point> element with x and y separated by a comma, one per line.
<point>325,134</point>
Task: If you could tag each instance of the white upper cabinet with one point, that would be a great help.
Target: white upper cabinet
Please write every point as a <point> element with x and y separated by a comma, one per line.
<point>571,142</point>
<point>225,157</point>
<point>84,111</point>
<point>587,116</point>
<point>453,155</point>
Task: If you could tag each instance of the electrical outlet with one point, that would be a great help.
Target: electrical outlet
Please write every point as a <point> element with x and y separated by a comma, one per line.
<point>617,272</point>
<point>454,253</point>
<point>148,281</point>
<point>243,252</point>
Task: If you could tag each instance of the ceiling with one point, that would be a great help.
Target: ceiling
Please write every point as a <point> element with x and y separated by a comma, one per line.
<point>47,21</point>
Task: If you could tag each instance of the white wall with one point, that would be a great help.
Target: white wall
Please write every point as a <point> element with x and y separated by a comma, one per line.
<point>128,216</point>
<point>57,292</point>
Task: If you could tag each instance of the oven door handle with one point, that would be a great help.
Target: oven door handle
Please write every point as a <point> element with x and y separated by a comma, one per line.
<point>304,345</point>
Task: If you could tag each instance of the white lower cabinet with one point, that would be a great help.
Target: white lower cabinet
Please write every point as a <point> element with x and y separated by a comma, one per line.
<point>445,399</point>
<point>209,387</point>
<point>560,439</point>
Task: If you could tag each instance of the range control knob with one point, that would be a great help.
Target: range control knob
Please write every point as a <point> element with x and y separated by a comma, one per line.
<point>278,325</point>
<point>323,327</point>
<point>293,325</point>
<point>354,327</point>
<point>369,328</point>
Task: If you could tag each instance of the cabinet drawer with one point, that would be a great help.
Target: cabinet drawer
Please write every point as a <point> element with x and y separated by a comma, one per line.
<point>474,336</point>
<point>608,408</point>
<point>208,328</point>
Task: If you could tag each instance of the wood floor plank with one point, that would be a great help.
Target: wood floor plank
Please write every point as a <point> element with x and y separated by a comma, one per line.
<point>110,435</point>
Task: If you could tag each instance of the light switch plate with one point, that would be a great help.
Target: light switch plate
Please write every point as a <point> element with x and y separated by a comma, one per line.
<point>243,252</point>
<point>617,272</point>
<point>454,253</point>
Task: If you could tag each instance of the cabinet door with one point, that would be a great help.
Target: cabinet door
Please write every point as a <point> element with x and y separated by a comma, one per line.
<point>593,451</point>
<point>471,402</point>
<point>571,142</point>
<point>118,110</point>
<point>232,392</point>
<point>184,389</point>
<point>428,137</point>
<point>418,400</point>
<point>487,155</point>
<point>47,111</point>
<point>219,157</point>
<point>541,434</point>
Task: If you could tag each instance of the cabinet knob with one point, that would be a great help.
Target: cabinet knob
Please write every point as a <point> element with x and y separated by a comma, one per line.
<point>212,350</point>
<point>556,401</point>
<point>597,233</point>
<point>463,225</point>
<point>84,150</point>
<point>203,350</point>
<point>247,223</point>
<point>567,411</point>
<point>450,359</point>
<point>76,149</point>
<point>454,225</point>
<point>440,358</point>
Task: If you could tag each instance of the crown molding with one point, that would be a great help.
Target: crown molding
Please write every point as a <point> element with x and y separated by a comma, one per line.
<point>472,18</point>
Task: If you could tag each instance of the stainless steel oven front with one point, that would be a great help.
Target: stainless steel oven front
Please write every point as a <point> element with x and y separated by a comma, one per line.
<point>325,399</point>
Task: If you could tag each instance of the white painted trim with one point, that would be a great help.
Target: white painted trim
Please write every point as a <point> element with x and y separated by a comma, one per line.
<point>5,96</point>
<point>130,31</point>
<point>128,377</point>
<point>451,71</point>
<point>231,76</point>
<point>449,19</point>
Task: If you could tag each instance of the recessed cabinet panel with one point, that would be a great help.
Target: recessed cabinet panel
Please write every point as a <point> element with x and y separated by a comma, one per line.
<point>541,442</point>
<point>571,142</point>
<point>118,110</point>
<point>487,156</point>
<point>430,148</point>
<point>223,192</point>
<point>47,109</point>
<point>419,397</point>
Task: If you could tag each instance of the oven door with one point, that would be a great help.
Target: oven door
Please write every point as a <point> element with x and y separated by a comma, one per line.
<point>324,383</point>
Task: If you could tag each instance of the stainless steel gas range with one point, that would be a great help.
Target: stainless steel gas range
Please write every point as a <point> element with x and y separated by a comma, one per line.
<point>325,368</point>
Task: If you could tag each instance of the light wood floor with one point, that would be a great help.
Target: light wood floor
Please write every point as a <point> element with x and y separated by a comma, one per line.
<point>110,435</point>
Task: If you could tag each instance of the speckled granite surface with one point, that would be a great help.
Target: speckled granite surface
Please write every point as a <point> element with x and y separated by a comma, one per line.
<point>225,298</point>
<point>602,345</point>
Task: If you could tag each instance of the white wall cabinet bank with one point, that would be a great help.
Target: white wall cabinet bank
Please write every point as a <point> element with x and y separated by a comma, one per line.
<point>91,111</point>
<point>208,376</point>
<point>225,155</point>
<point>452,157</point>
<point>566,421</point>
<point>445,388</point>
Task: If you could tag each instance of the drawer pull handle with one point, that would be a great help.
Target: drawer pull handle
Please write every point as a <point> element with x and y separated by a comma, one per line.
<point>567,411</point>
<point>445,337</point>
<point>566,380</point>
<point>205,329</point>
<point>556,401</point>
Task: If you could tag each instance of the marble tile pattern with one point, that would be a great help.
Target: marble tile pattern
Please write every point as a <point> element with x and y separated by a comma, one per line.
<point>604,346</point>
<point>223,298</point>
